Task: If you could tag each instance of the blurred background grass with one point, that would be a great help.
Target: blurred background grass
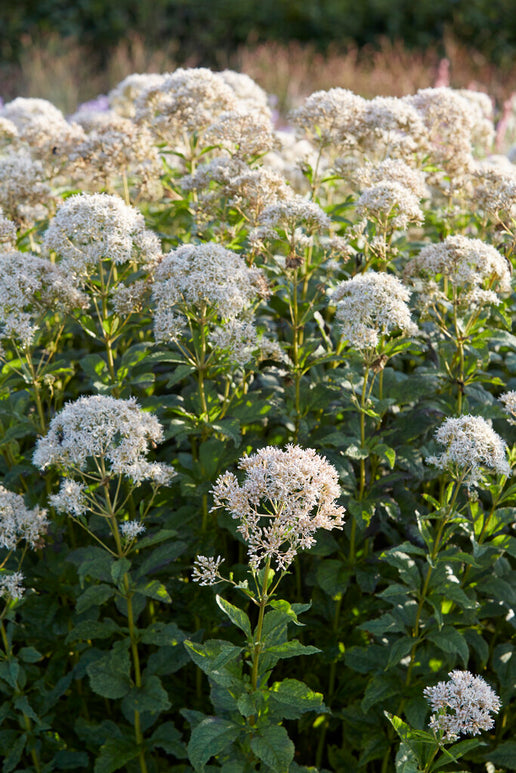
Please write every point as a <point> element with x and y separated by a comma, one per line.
<point>70,52</point>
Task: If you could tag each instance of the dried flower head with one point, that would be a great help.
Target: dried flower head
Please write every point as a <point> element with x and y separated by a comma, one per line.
<point>474,269</point>
<point>285,497</point>
<point>90,228</point>
<point>371,305</point>
<point>461,705</point>
<point>18,523</point>
<point>242,134</point>
<point>471,446</point>
<point>117,431</point>
<point>250,96</point>
<point>202,276</point>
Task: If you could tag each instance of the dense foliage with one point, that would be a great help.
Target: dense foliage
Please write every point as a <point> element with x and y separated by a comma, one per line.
<point>280,365</point>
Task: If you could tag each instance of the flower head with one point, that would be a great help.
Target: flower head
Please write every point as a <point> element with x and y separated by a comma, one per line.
<point>371,305</point>
<point>17,522</point>
<point>285,497</point>
<point>461,705</point>
<point>118,431</point>
<point>206,570</point>
<point>471,444</point>
<point>11,586</point>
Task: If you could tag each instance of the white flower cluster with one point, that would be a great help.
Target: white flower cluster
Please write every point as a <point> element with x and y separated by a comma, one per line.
<point>116,431</point>
<point>242,134</point>
<point>29,287</point>
<point>25,194</point>
<point>508,400</point>
<point>390,202</point>
<point>7,233</point>
<point>331,117</point>
<point>89,228</point>
<point>202,277</point>
<point>461,705</point>
<point>185,101</point>
<point>471,445</point>
<point>206,570</point>
<point>131,529</point>
<point>475,269</point>
<point>285,497</point>
<point>71,498</point>
<point>11,586</point>
<point>371,305</point>
<point>122,98</point>
<point>17,522</point>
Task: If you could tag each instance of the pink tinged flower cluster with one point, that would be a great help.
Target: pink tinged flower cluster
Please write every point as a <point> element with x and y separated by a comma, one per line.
<point>371,305</point>
<point>471,445</point>
<point>463,705</point>
<point>98,427</point>
<point>285,497</point>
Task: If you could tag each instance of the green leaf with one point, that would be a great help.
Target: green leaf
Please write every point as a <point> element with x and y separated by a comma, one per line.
<point>293,698</point>
<point>399,650</point>
<point>290,649</point>
<point>273,747</point>
<point>236,615</point>
<point>210,737</point>
<point>406,760</point>
<point>115,753</point>
<point>88,630</point>
<point>504,755</point>
<point>213,655</point>
<point>14,755</point>
<point>154,590</point>
<point>151,696</point>
<point>162,634</point>
<point>110,674</point>
<point>94,596</point>
<point>168,738</point>
<point>154,539</point>
<point>161,556</point>
<point>449,640</point>
<point>29,655</point>
<point>69,760</point>
<point>118,570</point>
<point>333,577</point>
<point>387,453</point>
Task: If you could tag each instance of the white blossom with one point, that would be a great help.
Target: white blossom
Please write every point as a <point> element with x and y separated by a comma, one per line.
<point>131,529</point>
<point>471,445</point>
<point>70,498</point>
<point>463,705</point>
<point>285,497</point>
<point>18,522</point>
<point>371,305</point>
<point>206,570</point>
<point>11,586</point>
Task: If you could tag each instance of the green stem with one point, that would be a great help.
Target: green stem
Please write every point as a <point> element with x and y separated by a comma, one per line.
<point>257,647</point>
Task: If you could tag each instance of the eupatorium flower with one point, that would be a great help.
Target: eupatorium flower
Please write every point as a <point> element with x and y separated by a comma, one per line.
<point>29,287</point>
<point>197,276</point>
<point>371,305</point>
<point>285,497</point>
<point>17,522</point>
<point>89,228</point>
<point>471,445</point>
<point>461,705</point>
<point>206,570</point>
<point>117,431</point>
<point>476,270</point>
<point>11,586</point>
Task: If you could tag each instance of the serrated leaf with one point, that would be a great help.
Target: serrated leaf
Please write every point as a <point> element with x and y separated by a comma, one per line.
<point>94,596</point>
<point>504,755</point>
<point>294,698</point>
<point>14,755</point>
<point>168,738</point>
<point>162,634</point>
<point>290,649</point>
<point>449,640</point>
<point>236,615</point>
<point>273,747</point>
<point>154,590</point>
<point>154,539</point>
<point>210,737</point>
<point>118,569</point>
<point>110,674</point>
<point>213,654</point>
<point>92,629</point>
<point>151,696</point>
<point>114,754</point>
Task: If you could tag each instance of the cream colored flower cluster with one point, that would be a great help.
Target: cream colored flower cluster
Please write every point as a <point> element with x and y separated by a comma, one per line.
<point>285,497</point>
<point>18,523</point>
<point>369,306</point>
<point>471,446</point>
